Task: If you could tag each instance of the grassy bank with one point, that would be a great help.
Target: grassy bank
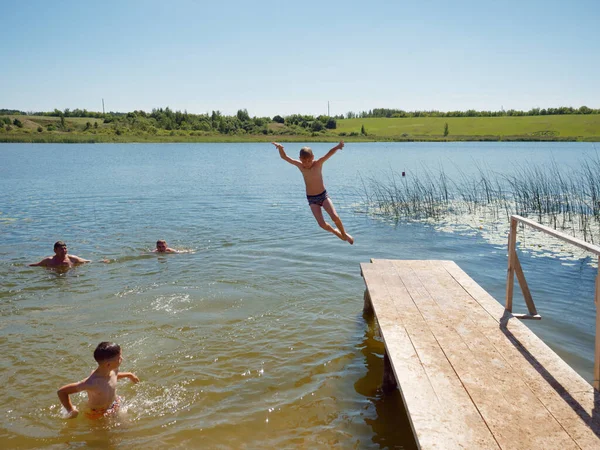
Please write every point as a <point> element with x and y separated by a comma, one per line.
<point>566,127</point>
<point>523,128</point>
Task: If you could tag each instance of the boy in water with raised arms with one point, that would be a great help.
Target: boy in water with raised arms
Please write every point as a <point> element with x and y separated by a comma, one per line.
<point>101,385</point>
<point>316,193</point>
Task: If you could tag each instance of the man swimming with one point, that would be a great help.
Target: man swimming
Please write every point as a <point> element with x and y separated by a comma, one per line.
<point>162,247</point>
<point>61,258</point>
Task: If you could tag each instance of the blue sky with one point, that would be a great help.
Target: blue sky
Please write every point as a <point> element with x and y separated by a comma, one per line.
<point>284,57</point>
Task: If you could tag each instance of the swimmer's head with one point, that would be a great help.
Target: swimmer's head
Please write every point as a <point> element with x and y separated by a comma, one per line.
<point>106,352</point>
<point>161,245</point>
<point>60,247</point>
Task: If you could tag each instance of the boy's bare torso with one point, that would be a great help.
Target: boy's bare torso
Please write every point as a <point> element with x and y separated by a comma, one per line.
<point>101,390</point>
<point>313,178</point>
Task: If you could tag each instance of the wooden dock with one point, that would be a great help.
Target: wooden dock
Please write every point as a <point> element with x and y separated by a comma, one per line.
<point>471,375</point>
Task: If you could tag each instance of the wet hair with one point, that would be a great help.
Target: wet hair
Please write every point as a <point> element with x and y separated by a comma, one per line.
<point>106,350</point>
<point>59,244</point>
<point>161,241</point>
<point>306,152</point>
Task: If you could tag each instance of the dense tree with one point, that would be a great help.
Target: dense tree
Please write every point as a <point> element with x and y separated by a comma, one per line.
<point>243,115</point>
<point>317,125</point>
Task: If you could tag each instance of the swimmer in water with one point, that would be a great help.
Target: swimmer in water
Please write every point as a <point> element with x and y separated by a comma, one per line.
<point>162,247</point>
<point>101,385</point>
<point>61,258</point>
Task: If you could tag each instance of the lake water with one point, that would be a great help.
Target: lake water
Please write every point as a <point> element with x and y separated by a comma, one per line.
<point>255,337</point>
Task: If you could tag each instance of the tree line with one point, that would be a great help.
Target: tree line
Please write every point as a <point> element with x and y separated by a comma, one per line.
<point>168,115</point>
<point>160,120</point>
<point>166,119</point>
<point>240,123</point>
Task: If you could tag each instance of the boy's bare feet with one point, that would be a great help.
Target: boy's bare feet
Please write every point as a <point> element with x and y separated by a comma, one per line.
<point>349,239</point>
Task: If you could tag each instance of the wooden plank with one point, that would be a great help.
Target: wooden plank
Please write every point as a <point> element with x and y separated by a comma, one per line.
<point>524,286</point>
<point>566,395</point>
<point>427,420</point>
<point>465,422</point>
<point>562,392</point>
<point>565,237</point>
<point>513,413</point>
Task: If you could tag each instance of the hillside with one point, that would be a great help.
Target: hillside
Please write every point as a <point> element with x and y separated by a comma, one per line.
<point>132,128</point>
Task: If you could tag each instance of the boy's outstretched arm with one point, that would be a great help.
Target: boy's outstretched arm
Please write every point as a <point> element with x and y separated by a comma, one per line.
<point>330,153</point>
<point>285,157</point>
<point>129,375</point>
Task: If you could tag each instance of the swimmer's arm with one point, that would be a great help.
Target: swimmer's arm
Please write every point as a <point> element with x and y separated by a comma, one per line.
<point>63,396</point>
<point>129,375</point>
<point>285,157</point>
<point>44,262</point>
<point>330,153</point>
<point>77,260</point>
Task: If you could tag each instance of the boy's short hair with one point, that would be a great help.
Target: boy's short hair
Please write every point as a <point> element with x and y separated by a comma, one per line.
<point>106,350</point>
<point>59,244</point>
<point>161,241</point>
<point>306,152</point>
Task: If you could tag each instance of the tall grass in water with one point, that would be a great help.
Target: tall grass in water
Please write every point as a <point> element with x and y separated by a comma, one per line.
<point>426,196</point>
<point>563,198</point>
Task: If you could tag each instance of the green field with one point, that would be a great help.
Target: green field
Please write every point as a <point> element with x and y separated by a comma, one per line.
<point>574,127</point>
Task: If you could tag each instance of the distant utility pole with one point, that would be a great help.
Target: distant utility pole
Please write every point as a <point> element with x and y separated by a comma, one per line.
<point>102,106</point>
<point>327,108</point>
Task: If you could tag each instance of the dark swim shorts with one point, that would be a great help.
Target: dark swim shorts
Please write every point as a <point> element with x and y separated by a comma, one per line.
<point>317,199</point>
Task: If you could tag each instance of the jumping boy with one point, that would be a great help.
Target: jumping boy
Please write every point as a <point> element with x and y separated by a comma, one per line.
<point>101,385</point>
<point>316,193</point>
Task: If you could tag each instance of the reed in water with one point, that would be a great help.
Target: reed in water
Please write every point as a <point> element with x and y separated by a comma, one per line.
<point>564,198</point>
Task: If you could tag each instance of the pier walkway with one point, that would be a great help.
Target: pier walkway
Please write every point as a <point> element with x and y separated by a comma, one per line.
<point>471,375</point>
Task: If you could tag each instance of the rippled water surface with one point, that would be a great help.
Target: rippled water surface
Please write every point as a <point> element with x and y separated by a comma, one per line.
<point>254,337</point>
